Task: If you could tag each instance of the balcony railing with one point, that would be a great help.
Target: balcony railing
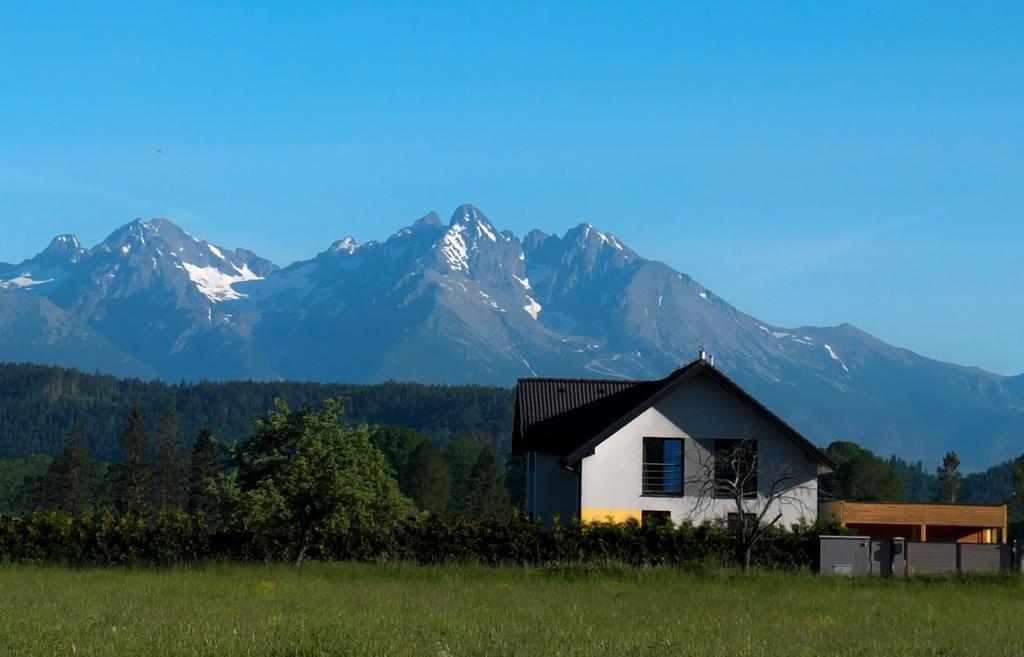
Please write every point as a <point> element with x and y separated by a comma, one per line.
<point>663,479</point>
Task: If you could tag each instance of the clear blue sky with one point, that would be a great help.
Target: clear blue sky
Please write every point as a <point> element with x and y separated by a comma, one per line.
<point>812,162</point>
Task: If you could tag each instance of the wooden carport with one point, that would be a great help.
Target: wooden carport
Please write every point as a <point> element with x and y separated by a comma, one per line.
<point>961,523</point>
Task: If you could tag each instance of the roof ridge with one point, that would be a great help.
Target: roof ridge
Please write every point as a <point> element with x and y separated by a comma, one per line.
<point>579,380</point>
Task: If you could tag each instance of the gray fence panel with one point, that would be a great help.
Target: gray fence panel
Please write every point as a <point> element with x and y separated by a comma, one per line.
<point>844,555</point>
<point>931,558</point>
<point>975,558</point>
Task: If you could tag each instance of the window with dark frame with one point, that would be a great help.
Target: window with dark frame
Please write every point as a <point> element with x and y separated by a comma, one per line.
<point>732,520</point>
<point>663,466</point>
<point>655,518</point>
<point>735,463</point>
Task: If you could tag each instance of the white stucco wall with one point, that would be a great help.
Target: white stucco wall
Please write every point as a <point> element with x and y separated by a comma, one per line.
<point>699,412</point>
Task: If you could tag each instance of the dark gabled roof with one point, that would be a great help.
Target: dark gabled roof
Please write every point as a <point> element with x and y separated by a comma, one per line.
<point>571,417</point>
<point>552,414</point>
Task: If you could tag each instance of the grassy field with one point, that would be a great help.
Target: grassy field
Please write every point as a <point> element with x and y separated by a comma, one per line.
<point>351,609</point>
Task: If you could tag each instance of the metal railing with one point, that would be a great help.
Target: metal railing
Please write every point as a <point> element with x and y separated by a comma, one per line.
<point>663,479</point>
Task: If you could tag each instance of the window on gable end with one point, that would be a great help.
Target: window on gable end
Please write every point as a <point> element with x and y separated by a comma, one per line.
<point>663,466</point>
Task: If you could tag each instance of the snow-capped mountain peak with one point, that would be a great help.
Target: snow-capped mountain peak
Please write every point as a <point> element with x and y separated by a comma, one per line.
<point>465,302</point>
<point>66,247</point>
<point>346,244</point>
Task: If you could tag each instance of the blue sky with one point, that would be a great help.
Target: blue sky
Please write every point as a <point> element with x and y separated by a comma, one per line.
<point>812,162</point>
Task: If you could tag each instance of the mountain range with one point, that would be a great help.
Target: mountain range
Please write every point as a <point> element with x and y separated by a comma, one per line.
<point>464,302</point>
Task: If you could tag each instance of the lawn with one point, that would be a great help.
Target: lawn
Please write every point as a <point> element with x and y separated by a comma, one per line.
<point>353,609</point>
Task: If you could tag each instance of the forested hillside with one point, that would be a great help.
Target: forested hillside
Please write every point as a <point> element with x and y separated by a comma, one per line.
<point>39,403</point>
<point>993,485</point>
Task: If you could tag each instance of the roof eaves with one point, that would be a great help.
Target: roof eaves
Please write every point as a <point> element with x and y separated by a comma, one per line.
<point>684,374</point>
<point>587,448</point>
<point>772,418</point>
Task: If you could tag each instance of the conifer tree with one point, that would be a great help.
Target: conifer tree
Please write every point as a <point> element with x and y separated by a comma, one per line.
<point>397,444</point>
<point>427,479</point>
<point>460,455</point>
<point>949,478</point>
<point>133,480</point>
<point>203,470</point>
<point>64,485</point>
<point>487,495</point>
<point>1017,490</point>
<point>170,468</point>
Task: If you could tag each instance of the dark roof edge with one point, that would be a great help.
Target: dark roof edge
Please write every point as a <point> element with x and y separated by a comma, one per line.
<point>686,373</point>
<point>587,448</point>
<point>574,380</point>
<point>772,418</point>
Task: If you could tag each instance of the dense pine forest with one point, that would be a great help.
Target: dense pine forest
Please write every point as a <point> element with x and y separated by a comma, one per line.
<point>431,435</point>
<point>993,485</point>
<point>38,404</point>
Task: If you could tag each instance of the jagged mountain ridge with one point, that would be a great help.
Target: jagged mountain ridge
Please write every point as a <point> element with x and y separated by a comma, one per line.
<point>465,302</point>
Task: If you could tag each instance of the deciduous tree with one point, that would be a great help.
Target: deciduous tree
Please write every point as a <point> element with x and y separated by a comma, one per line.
<point>306,472</point>
<point>860,476</point>
<point>758,490</point>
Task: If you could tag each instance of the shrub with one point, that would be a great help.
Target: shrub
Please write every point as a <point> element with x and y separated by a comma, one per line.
<point>171,538</point>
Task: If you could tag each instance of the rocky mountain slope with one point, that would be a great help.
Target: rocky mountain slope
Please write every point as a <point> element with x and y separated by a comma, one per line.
<point>465,302</point>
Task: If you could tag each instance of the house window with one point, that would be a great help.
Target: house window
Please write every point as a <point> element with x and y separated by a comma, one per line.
<point>735,467</point>
<point>732,520</point>
<point>652,518</point>
<point>663,466</point>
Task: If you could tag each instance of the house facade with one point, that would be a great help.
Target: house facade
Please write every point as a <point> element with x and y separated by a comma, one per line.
<point>691,447</point>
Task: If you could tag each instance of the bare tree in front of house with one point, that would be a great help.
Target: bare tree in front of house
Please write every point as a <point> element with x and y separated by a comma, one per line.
<point>752,490</point>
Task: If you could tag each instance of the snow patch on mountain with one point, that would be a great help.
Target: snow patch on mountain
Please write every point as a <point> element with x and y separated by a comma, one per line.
<point>348,245</point>
<point>533,308</point>
<point>482,230</point>
<point>835,357</point>
<point>453,248</point>
<point>22,281</point>
<point>215,285</point>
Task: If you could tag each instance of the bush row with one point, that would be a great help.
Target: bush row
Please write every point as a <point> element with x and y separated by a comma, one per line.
<point>179,538</point>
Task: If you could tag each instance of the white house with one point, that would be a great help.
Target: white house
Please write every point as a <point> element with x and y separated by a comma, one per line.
<point>616,450</point>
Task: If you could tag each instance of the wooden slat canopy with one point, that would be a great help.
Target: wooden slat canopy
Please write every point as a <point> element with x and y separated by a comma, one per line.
<point>975,516</point>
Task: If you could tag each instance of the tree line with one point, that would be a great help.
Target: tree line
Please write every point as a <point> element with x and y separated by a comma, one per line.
<point>297,471</point>
<point>860,475</point>
<point>38,403</point>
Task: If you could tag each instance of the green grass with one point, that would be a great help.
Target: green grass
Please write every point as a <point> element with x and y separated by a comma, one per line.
<point>352,609</point>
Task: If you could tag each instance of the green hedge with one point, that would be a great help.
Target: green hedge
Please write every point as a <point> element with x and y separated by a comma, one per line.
<point>429,539</point>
